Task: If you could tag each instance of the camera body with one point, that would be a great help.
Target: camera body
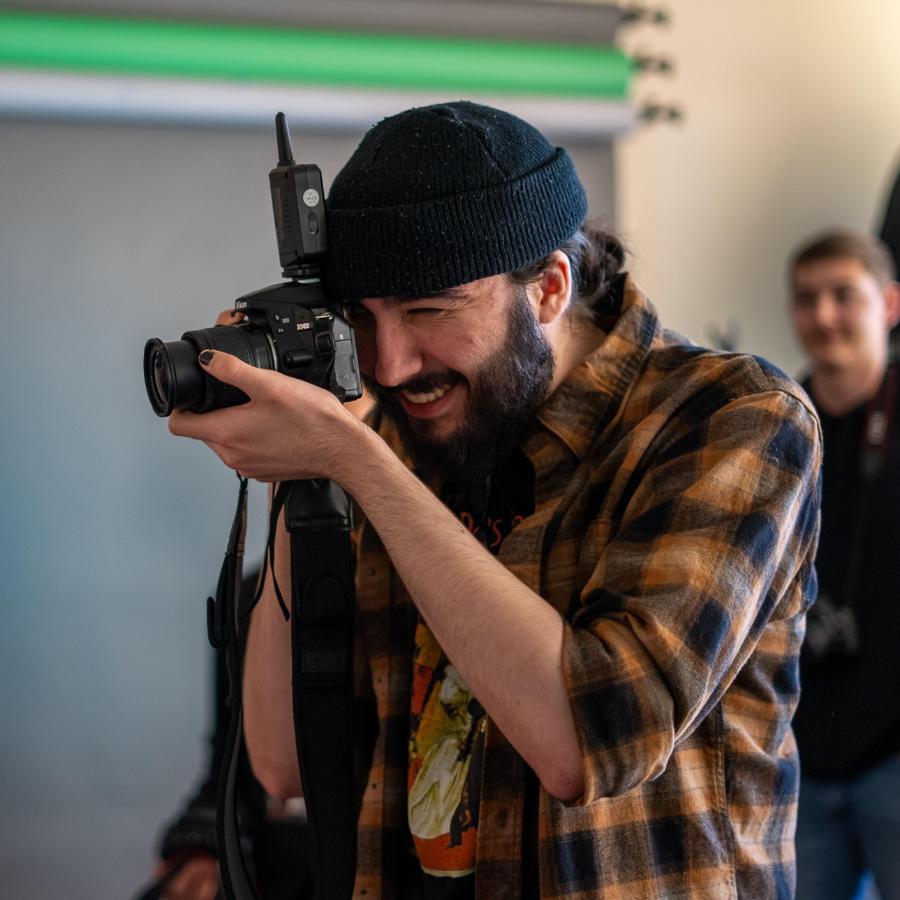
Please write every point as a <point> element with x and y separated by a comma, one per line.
<point>309,338</point>
<point>289,327</point>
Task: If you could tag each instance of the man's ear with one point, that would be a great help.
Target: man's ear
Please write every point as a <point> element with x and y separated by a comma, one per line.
<point>552,293</point>
<point>892,303</point>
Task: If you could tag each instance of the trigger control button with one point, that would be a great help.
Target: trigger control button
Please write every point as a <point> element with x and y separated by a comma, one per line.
<point>324,343</point>
<point>293,359</point>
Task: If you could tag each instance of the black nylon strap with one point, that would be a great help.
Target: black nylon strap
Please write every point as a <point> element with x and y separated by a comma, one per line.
<point>875,445</point>
<point>222,622</point>
<point>318,517</point>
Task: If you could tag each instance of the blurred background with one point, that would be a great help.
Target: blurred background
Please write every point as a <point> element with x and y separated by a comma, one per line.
<point>135,141</point>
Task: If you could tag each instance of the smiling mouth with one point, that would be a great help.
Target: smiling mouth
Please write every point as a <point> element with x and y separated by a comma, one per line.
<point>427,397</point>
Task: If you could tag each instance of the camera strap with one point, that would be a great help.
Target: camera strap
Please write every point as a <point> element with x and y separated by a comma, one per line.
<point>875,443</point>
<point>323,609</point>
<point>318,516</point>
<point>222,622</point>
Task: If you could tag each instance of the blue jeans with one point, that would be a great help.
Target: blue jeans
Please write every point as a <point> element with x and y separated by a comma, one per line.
<point>849,832</point>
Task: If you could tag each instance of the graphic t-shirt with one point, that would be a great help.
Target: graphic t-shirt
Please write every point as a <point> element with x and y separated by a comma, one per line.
<point>447,723</point>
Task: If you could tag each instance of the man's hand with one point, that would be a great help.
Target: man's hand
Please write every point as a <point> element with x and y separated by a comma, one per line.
<point>289,430</point>
<point>230,317</point>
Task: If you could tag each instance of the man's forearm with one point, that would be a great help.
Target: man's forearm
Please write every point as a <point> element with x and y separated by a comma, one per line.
<point>503,638</point>
<point>268,702</point>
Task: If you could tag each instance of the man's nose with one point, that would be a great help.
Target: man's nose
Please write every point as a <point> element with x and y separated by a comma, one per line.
<point>397,357</point>
<point>824,311</point>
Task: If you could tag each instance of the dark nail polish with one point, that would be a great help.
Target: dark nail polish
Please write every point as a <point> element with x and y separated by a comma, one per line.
<point>206,357</point>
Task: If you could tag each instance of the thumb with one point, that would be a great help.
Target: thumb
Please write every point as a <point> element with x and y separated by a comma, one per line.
<point>228,368</point>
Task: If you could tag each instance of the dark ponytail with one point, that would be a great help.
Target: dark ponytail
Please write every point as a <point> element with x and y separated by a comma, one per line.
<point>596,258</point>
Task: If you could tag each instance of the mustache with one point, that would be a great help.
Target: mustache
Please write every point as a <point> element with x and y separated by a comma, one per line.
<point>420,384</point>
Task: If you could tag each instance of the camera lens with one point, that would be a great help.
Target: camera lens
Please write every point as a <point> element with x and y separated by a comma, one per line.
<point>172,375</point>
<point>160,375</point>
<point>175,380</point>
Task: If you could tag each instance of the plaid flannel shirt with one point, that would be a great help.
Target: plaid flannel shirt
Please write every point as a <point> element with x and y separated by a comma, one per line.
<point>676,517</point>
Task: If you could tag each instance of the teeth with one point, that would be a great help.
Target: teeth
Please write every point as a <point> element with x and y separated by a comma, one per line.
<point>425,398</point>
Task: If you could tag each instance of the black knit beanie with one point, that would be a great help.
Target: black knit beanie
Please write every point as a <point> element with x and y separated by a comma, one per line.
<point>442,195</point>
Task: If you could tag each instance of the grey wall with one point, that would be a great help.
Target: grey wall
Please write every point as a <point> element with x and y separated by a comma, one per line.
<point>111,531</point>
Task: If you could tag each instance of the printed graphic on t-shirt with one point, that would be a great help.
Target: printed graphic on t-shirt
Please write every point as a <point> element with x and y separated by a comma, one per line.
<point>447,723</point>
<point>489,531</point>
<point>446,741</point>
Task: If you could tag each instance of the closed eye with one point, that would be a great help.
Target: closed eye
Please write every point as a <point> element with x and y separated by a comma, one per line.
<point>437,306</point>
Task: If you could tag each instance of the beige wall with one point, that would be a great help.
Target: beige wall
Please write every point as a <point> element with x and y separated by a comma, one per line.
<point>792,123</point>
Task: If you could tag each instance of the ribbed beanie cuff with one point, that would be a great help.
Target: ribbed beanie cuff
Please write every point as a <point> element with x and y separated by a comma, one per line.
<point>443,195</point>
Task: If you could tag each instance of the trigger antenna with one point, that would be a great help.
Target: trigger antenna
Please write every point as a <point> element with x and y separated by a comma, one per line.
<point>283,136</point>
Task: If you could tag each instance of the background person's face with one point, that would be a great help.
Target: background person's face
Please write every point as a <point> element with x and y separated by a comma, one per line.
<point>840,312</point>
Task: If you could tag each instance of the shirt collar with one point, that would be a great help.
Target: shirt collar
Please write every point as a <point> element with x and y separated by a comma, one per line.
<point>586,402</point>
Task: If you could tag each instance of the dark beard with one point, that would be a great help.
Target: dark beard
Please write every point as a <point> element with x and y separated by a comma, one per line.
<point>505,393</point>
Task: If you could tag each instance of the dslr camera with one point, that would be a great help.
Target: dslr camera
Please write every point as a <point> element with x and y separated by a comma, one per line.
<point>289,327</point>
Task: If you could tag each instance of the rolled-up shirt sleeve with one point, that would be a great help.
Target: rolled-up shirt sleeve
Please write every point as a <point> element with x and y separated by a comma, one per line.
<point>711,544</point>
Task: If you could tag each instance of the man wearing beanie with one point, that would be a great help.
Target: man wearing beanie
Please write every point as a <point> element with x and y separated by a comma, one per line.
<point>586,547</point>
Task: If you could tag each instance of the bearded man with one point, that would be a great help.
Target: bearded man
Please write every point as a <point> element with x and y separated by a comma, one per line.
<point>586,552</point>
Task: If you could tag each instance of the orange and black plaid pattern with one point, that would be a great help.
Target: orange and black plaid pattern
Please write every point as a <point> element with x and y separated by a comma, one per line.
<point>676,517</point>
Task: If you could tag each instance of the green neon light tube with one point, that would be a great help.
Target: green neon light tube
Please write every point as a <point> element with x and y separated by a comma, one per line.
<point>123,46</point>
